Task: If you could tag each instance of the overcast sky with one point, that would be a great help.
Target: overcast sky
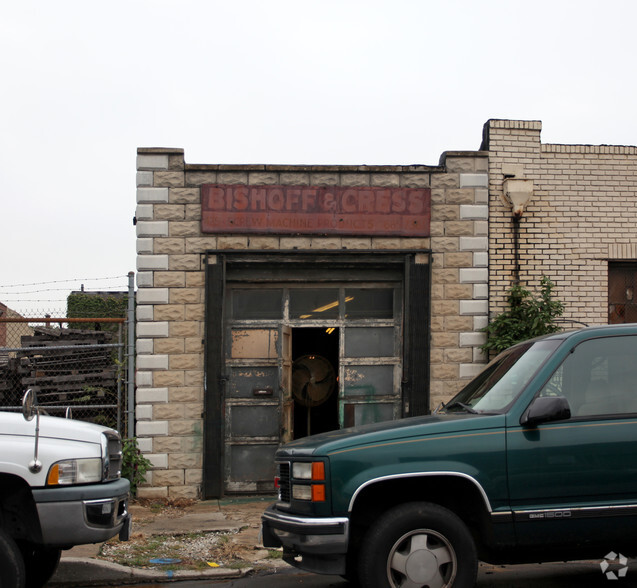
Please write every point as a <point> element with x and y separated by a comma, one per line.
<point>83,84</point>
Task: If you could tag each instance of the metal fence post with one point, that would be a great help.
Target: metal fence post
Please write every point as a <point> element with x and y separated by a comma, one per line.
<point>120,375</point>
<point>130,356</point>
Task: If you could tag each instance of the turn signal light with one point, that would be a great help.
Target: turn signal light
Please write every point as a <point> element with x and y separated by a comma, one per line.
<point>318,470</point>
<point>318,492</point>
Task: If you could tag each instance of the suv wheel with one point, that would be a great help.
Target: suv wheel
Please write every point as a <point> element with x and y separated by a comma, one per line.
<point>418,544</point>
<point>40,564</point>
<point>11,563</point>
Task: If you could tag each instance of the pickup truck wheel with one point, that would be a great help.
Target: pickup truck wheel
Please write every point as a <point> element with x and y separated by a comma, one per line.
<point>11,563</point>
<point>40,564</point>
<point>418,545</point>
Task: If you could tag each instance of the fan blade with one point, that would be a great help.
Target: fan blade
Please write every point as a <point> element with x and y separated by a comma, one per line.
<point>321,371</point>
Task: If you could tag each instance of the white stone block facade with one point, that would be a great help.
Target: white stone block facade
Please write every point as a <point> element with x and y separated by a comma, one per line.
<point>170,281</point>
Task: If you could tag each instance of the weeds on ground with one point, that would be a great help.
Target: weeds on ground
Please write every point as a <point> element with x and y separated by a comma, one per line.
<point>196,551</point>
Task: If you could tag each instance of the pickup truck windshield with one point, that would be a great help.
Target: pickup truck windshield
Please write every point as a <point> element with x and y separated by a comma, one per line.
<point>495,388</point>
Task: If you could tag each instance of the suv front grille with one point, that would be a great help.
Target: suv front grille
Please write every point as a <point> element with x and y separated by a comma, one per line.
<point>284,481</point>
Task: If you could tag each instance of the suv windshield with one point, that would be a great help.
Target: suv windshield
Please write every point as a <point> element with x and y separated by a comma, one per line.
<point>495,388</point>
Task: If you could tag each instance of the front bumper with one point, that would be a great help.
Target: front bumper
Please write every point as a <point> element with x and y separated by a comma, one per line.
<point>76,515</point>
<point>314,544</point>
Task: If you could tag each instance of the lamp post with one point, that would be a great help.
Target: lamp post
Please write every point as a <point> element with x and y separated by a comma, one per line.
<point>517,193</point>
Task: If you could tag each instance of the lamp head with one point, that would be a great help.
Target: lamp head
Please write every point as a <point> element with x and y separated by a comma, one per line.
<point>517,193</point>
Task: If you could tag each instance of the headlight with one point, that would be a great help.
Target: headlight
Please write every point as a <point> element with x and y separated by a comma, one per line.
<point>301,492</point>
<point>75,471</point>
<point>311,471</point>
<point>314,470</point>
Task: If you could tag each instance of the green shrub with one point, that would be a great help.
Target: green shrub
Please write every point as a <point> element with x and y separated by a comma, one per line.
<point>96,305</point>
<point>134,464</point>
<point>527,317</point>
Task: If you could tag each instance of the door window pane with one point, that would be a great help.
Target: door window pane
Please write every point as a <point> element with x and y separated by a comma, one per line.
<point>248,382</point>
<point>254,421</point>
<point>250,463</point>
<point>365,414</point>
<point>375,303</point>
<point>369,380</point>
<point>257,304</point>
<point>369,342</point>
<point>306,303</point>
<point>253,343</point>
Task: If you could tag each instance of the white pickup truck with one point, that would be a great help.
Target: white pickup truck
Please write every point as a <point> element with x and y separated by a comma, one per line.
<point>60,486</point>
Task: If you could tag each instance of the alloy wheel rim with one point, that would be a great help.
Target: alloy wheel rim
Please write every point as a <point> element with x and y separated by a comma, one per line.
<point>422,558</point>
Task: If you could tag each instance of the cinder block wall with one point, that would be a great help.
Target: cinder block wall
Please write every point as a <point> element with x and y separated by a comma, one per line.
<point>583,214</point>
<point>459,296</point>
<point>170,280</point>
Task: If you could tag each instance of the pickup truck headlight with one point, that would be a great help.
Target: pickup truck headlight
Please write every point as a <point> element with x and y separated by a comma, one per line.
<point>310,471</point>
<point>75,471</point>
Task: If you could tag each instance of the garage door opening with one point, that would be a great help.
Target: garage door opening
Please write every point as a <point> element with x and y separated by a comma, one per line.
<point>315,353</point>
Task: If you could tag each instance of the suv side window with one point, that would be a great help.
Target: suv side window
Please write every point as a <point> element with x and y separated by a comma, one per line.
<point>599,377</point>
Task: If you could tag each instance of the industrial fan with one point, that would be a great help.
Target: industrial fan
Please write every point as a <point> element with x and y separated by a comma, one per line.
<point>313,380</point>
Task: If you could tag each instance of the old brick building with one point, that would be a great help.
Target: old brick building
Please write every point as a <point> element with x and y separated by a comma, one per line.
<point>579,227</point>
<point>277,300</point>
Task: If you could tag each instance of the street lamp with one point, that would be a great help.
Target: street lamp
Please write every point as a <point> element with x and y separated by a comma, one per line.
<point>517,193</point>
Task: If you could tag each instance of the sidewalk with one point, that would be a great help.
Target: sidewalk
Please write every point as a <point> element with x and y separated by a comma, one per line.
<point>214,539</point>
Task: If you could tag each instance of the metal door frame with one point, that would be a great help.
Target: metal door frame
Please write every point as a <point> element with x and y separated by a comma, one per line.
<point>414,270</point>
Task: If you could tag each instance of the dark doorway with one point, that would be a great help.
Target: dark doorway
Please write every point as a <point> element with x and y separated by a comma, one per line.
<point>315,368</point>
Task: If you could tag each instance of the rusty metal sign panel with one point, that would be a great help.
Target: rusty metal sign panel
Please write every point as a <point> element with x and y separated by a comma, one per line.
<point>315,210</point>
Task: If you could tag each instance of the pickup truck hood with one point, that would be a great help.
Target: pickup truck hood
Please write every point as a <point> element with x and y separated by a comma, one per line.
<point>326,443</point>
<point>51,427</point>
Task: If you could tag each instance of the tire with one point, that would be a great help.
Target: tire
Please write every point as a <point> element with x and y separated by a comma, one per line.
<point>40,564</point>
<point>11,563</point>
<point>351,575</point>
<point>418,544</point>
<point>352,579</point>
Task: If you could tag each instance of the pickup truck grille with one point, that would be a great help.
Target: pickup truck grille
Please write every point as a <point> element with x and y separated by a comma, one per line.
<point>284,481</point>
<point>114,451</point>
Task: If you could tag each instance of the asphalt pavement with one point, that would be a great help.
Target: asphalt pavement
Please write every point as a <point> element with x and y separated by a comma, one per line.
<point>241,558</point>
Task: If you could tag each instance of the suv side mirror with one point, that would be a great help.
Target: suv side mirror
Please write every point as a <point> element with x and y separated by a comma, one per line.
<point>31,409</point>
<point>29,403</point>
<point>545,409</point>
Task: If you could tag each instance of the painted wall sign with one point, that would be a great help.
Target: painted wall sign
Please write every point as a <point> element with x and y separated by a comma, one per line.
<point>315,210</point>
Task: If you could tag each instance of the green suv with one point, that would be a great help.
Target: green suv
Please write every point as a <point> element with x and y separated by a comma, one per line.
<point>534,460</point>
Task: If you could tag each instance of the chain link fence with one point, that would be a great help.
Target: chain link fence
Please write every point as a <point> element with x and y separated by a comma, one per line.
<point>78,367</point>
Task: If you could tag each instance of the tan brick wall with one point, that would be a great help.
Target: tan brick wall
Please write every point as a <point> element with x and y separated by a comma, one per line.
<point>171,285</point>
<point>582,214</point>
